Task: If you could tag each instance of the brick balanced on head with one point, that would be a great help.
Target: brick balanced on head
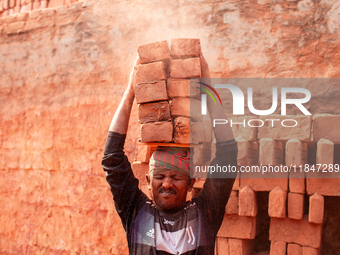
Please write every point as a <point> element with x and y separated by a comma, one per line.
<point>163,90</point>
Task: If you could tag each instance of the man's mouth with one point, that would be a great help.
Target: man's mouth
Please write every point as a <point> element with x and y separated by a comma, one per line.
<point>167,192</point>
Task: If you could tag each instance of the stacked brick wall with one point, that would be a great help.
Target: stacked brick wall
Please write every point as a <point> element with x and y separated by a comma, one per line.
<point>9,7</point>
<point>54,196</point>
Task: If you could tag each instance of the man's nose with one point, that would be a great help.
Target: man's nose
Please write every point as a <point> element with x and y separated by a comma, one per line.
<point>167,183</point>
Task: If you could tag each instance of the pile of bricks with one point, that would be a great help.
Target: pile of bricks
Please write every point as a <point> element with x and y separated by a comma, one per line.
<point>8,7</point>
<point>294,229</point>
<point>162,89</point>
<point>164,93</point>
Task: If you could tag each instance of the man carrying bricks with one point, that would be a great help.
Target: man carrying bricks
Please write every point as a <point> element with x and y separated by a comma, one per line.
<point>168,224</point>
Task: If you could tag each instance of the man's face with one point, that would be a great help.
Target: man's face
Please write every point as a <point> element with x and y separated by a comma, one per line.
<point>169,188</point>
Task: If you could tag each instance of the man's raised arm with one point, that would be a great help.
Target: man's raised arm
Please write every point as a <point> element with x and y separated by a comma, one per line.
<point>222,132</point>
<point>119,175</point>
<point>218,186</point>
<point>120,120</point>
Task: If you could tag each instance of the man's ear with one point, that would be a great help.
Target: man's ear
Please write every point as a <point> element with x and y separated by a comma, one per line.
<point>191,184</point>
<point>148,181</point>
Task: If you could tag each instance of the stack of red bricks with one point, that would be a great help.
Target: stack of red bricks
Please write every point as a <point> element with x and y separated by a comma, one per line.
<point>162,89</point>
<point>292,230</point>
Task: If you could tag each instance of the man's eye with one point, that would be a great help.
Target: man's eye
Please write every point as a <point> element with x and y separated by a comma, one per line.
<point>158,177</point>
<point>177,177</point>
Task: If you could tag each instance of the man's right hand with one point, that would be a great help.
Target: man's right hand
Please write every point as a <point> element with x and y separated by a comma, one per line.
<point>120,120</point>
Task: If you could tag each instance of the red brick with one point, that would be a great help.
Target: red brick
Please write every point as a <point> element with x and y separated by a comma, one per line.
<point>271,152</point>
<point>182,130</point>
<point>247,202</point>
<point>238,227</point>
<point>21,16</point>
<point>316,208</point>
<point>161,131</point>
<point>248,153</point>
<point>17,9</point>
<point>325,152</point>
<point>232,205</point>
<point>295,231</point>
<point>36,5</point>
<point>324,127</point>
<point>43,4</point>
<point>14,28</point>
<point>11,4</point>
<point>185,47</point>
<point>310,251</point>
<point>150,72</point>
<point>140,170</point>
<point>47,12</point>
<point>180,106</point>
<point>236,185</point>
<point>240,246</point>
<point>74,6</point>
<point>295,206</point>
<point>55,3</point>
<point>278,248</point>
<point>222,246</point>
<point>241,130</point>
<point>296,153</point>
<point>263,184</point>
<point>150,92</point>
<point>34,14</point>
<point>152,52</point>
<point>190,196</point>
<point>294,249</point>
<point>144,152</point>
<point>276,131</point>
<point>185,68</point>
<point>5,4</point>
<point>277,203</point>
<point>151,112</point>
<point>32,24</point>
<point>182,88</point>
<point>297,182</point>
<point>324,186</point>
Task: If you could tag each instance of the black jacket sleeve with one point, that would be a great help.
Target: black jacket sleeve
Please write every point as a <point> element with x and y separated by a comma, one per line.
<point>127,196</point>
<point>217,187</point>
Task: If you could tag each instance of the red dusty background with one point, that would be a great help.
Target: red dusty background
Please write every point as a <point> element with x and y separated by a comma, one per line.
<point>63,72</point>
